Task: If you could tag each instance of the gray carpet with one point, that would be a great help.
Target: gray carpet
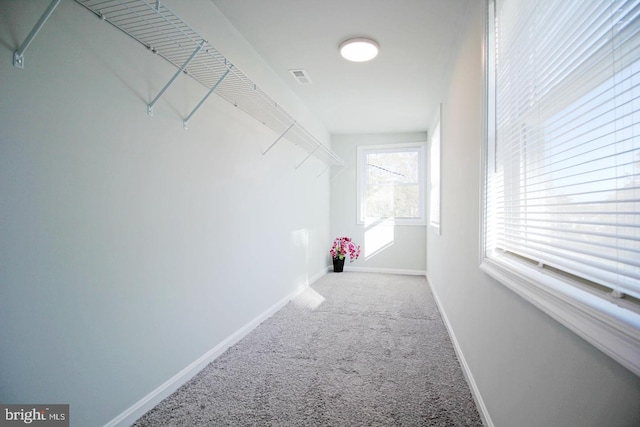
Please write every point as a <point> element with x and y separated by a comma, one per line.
<point>355,349</point>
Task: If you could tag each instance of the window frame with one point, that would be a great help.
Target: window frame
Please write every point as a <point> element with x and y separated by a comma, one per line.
<point>362,151</point>
<point>610,324</point>
<point>435,164</point>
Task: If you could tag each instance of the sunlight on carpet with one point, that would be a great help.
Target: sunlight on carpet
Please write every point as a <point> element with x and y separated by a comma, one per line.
<point>309,298</point>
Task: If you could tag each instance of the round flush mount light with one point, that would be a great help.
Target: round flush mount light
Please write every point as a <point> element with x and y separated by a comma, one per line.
<point>359,49</point>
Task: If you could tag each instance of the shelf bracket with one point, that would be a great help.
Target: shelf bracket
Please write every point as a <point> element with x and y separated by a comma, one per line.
<point>337,174</point>
<point>306,158</point>
<point>18,55</point>
<point>213,88</point>
<point>323,171</point>
<point>279,138</point>
<point>175,76</point>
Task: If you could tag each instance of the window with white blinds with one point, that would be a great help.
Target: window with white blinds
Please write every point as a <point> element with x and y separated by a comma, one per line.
<point>562,190</point>
<point>565,187</point>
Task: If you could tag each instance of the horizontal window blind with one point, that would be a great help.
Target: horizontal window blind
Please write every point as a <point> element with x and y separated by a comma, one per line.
<point>563,186</point>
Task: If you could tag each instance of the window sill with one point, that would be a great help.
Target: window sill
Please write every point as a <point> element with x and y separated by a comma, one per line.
<point>391,222</point>
<point>435,227</point>
<point>611,328</point>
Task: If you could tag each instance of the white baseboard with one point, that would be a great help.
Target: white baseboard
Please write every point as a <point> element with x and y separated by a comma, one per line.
<point>314,278</point>
<point>131,415</point>
<point>385,270</point>
<point>482,408</point>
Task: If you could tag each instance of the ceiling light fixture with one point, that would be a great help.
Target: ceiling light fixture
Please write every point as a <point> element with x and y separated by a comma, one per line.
<point>359,49</point>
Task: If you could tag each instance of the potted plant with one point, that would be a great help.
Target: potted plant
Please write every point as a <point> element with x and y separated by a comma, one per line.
<point>343,246</point>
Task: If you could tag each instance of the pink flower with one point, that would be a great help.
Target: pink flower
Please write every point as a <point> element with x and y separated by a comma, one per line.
<point>343,246</point>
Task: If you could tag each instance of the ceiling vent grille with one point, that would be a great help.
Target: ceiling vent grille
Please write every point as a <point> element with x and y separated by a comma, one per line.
<point>301,76</point>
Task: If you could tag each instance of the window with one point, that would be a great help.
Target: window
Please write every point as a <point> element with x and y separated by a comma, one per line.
<point>391,183</point>
<point>562,185</point>
<point>434,175</point>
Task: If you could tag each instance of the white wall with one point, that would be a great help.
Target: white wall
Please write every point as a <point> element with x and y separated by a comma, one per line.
<point>130,247</point>
<point>529,370</point>
<point>390,248</point>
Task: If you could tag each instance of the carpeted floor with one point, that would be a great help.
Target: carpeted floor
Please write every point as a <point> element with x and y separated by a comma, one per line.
<point>355,349</point>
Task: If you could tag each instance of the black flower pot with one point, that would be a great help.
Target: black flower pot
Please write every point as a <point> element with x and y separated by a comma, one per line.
<point>338,265</point>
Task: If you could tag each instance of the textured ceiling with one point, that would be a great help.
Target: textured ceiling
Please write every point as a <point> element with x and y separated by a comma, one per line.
<point>398,91</point>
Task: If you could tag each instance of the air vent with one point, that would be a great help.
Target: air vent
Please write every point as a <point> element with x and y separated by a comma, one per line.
<point>301,76</point>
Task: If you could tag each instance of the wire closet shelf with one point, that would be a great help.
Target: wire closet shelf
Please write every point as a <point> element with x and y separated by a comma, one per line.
<point>162,32</point>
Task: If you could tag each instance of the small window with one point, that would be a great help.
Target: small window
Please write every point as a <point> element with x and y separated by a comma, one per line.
<point>391,183</point>
<point>434,175</point>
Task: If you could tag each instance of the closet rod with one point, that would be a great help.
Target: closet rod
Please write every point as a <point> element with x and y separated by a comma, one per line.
<point>162,32</point>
